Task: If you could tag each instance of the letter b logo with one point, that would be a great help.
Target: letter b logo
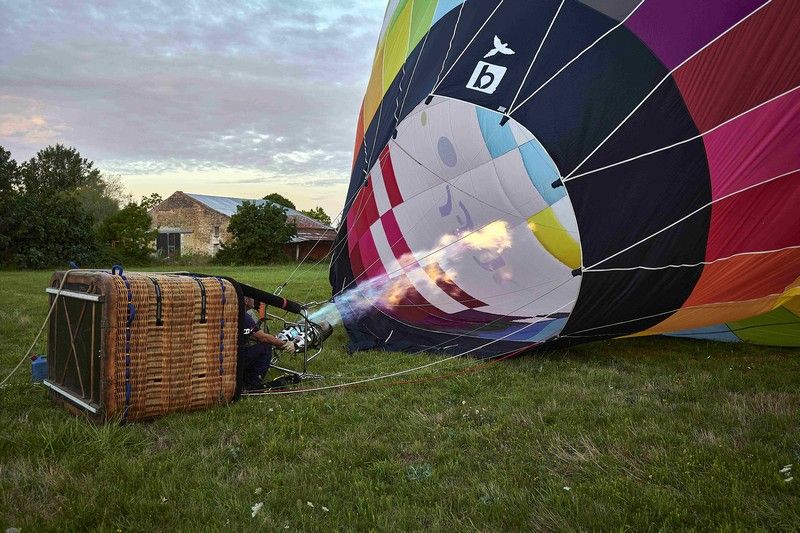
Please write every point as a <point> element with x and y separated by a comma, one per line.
<point>486,77</point>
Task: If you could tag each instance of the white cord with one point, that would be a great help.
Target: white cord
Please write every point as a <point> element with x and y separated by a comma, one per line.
<point>46,320</point>
<point>50,312</point>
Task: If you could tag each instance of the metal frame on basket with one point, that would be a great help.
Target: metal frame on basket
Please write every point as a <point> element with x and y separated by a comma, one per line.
<point>67,356</point>
<point>305,325</point>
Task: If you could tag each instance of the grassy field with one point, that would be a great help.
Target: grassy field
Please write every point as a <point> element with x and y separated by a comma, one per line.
<point>644,434</point>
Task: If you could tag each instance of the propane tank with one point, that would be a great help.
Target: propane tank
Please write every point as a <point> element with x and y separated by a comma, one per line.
<point>38,368</point>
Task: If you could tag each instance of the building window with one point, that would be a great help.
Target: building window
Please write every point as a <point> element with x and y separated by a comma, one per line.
<point>216,232</point>
<point>168,245</point>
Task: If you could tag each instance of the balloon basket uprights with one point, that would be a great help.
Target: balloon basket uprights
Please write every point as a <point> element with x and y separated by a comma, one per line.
<point>309,340</point>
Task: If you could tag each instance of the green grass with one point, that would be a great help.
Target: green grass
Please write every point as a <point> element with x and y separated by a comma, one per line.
<point>641,434</point>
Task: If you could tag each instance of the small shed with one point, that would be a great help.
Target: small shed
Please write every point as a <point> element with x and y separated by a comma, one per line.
<point>198,224</point>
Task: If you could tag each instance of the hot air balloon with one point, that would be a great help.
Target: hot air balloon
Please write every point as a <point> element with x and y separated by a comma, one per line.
<point>561,171</point>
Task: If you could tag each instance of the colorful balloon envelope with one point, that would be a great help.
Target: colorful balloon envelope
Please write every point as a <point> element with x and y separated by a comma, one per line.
<point>556,171</point>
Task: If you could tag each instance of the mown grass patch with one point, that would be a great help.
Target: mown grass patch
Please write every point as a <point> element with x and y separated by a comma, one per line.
<point>650,433</point>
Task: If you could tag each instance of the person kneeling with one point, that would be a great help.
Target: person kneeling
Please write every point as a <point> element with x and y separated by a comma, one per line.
<point>256,353</point>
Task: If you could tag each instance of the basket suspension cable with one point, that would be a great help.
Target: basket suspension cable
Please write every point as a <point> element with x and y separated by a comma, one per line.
<point>449,358</point>
<point>130,317</point>
<point>340,245</point>
<point>339,216</point>
<point>438,81</point>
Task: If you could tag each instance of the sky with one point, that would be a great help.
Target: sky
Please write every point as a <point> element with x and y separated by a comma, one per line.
<point>228,98</point>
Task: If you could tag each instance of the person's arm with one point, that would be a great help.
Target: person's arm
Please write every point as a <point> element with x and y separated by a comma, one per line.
<point>266,338</point>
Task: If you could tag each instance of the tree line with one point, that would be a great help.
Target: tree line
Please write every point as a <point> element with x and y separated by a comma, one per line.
<point>57,208</point>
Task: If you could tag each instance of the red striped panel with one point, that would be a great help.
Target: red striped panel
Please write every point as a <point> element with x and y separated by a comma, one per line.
<point>355,207</point>
<point>444,282</point>
<point>389,179</point>
<point>397,242</point>
<point>370,260</point>
<point>363,212</point>
<point>759,219</point>
<point>755,61</point>
<point>746,277</point>
<point>352,237</point>
<point>352,234</point>
<point>352,241</point>
<point>757,146</point>
<point>355,261</point>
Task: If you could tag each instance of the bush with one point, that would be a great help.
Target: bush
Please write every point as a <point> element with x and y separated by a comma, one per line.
<point>127,236</point>
<point>318,214</point>
<point>50,207</point>
<point>51,230</point>
<point>259,233</point>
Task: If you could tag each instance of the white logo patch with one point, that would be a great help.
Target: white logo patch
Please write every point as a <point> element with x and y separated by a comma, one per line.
<point>486,77</point>
<point>499,47</point>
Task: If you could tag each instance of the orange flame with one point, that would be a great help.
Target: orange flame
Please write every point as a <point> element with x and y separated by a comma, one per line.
<point>489,241</point>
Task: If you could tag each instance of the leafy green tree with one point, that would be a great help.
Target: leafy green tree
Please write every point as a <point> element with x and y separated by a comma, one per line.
<point>9,197</point>
<point>38,229</point>
<point>318,214</point>
<point>9,172</point>
<point>126,235</point>
<point>149,202</point>
<point>58,168</point>
<point>280,200</point>
<point>259,233</point>
<point>102,198</point>
<point>50,207</point>
<point>51,230</point>
<point>95,202</point>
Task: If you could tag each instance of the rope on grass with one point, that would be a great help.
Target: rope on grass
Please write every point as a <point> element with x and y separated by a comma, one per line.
<point>500,357</point>
<point>46,320</point>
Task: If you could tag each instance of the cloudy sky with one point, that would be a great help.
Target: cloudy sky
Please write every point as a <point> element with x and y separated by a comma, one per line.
<point>230,98</point>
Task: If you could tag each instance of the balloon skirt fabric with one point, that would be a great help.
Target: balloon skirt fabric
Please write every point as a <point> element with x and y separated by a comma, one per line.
<point>527,173</point>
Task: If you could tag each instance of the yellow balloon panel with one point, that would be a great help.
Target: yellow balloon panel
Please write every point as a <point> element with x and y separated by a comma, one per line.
<point>555,238</point>
<point>395,48</point>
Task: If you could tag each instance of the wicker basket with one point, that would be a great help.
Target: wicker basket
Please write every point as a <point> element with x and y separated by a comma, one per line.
<point>134,346</point>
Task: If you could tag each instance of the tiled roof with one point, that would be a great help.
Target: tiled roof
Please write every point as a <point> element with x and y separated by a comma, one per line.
<point>313,234</point>
<point>228,206</point>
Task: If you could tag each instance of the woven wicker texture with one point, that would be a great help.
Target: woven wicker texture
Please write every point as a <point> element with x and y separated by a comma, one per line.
<point>184,361</point>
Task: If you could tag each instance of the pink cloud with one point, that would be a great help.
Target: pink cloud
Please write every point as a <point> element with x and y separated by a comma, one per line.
<point>23,120</point>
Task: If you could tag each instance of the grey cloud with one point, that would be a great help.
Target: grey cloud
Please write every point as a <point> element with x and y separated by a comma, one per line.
<point>158,86</point>
<point>318,180</point>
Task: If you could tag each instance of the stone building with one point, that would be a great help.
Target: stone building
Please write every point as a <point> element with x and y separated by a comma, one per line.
<point>198,224</point>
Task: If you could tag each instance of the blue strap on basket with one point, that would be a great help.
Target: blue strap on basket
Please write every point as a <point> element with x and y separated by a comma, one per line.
<point>157,287</point>
<point>222,339</point>
<point>117,270</point>
<point>202,300</point>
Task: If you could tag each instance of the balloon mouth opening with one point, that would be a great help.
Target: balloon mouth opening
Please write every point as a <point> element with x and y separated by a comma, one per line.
<point>468,230</point>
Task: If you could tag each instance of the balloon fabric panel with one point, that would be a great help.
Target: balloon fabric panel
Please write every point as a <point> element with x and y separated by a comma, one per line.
<point>676,29</point>
<point>749,65</point>
<point>562,171</point>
